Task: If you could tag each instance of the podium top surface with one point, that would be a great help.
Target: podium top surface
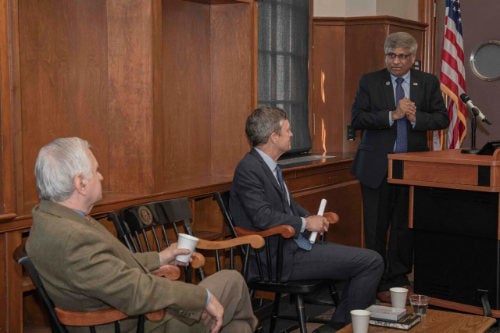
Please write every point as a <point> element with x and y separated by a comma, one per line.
<point>447,169</point>
<point>449,156</point>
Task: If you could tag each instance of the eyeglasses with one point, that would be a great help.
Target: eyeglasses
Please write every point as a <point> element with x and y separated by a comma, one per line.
<point>400,56</point>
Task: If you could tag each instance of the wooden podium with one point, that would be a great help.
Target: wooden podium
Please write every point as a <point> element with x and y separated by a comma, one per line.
<point>454,212</point>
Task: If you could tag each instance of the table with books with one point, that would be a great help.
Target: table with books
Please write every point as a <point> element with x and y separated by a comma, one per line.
<point>435,321</point>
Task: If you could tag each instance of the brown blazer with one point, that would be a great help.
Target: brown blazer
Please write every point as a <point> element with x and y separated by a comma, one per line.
<point>84,267</point>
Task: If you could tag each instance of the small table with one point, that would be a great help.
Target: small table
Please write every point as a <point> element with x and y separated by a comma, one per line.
<point>437,321</point>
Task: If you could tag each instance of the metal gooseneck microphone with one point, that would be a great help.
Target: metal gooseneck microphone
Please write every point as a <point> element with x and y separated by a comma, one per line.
<point>475,110</point>
<point>476,113</point>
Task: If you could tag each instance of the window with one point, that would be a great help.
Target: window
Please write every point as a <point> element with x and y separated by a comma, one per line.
<point>283,63</point>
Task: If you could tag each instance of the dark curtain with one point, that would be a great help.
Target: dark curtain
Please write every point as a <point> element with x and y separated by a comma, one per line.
<point>283,63</point>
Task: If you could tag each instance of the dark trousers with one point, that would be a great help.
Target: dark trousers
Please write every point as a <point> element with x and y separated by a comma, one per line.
<point>385,214</point>
<point>361,268</point>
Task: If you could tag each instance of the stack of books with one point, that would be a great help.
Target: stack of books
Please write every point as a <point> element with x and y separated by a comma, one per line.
<point>392,317</point>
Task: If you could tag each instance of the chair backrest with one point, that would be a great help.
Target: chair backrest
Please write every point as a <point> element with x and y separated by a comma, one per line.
<point>59,318</point>
<point>226,254</point>
<point>22,258</point>
<point>142,227</point>
<point>222,199</point>
<point>178,213</point>
<point>154,226</point>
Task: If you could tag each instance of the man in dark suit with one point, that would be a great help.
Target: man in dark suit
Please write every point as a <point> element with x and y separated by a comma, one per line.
<point>395,107</point>
<point>85,268</point>
<point>258,201</point>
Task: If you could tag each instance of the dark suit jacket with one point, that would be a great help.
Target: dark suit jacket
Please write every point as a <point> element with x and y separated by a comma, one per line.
<point>370,113</point>
<point>85,268</point>
<point>256,202</point>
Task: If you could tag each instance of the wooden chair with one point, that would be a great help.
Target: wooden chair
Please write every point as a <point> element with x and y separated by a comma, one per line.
<point>60,318</point>
<point>175,216</point>
<point>154,226</point>
<point>270,271</point>
<point>225,253</point>
<point>144,227</point>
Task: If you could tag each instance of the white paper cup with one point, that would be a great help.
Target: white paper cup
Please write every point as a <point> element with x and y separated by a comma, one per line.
<point>360,320</point>
<point>186,241</point>
<point>398,297</point>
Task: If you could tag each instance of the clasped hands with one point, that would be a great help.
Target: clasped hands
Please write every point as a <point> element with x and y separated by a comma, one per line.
<point>406,107</point>
<point>319,223</point>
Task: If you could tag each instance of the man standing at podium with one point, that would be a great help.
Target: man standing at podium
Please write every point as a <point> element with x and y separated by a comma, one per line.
<point>394,107</point>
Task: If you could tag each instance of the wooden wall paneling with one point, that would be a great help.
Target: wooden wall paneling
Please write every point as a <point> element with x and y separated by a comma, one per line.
<point>183,141</point>
<point>328,75</point>
<point>13,281</point>
<point>4,287</point>
<point>7,192</point>
<point>364,53</point>
<point>130,88</point>
<point>231,55</point>
<point>207,215</point>
<point>426,15</point>
<point>62,73</point>
<point>343,199</point>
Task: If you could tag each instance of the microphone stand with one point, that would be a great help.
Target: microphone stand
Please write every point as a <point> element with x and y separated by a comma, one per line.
<point>473,126</point>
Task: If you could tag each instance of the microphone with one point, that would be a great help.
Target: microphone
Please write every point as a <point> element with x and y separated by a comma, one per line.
<point>321,210</point>
<point>466,99</point>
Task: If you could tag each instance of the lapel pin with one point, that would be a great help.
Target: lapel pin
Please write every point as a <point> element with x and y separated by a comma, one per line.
<point>415,84</point>
<point>387,83</point>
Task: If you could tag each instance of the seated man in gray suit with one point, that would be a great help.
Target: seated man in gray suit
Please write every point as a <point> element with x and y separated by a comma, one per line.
<point>259,200</point>
<point>85,268</point>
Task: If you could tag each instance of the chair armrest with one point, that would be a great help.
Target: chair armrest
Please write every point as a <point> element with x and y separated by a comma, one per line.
<point>170,272</point>
<point>255,241</point>
<point>286,231</point>
<point>331,217</point>
<point>106,316</point>
<point>99,317</point>
<point>198,260</point>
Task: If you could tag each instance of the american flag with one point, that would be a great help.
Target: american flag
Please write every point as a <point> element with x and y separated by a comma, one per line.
<point>452,75</point>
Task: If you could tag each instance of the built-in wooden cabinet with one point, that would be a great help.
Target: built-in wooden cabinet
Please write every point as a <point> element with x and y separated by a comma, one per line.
<point>330,179</point>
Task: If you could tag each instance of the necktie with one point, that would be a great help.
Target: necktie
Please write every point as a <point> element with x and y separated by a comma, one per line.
<point>402,129</point>
<point>300,240</point>
<point>279,177</point>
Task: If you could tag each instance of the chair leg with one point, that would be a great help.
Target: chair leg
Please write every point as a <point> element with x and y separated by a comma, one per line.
<point>275,312</point>
<point>334,293</point>
<point>301,314</point>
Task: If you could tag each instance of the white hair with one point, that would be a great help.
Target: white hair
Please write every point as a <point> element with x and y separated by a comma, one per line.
<point>57,165</point>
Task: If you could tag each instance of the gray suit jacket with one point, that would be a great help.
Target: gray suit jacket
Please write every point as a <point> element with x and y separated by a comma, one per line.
<point>256,202</point>
<point>370,113</point>
<point>85,268</point>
